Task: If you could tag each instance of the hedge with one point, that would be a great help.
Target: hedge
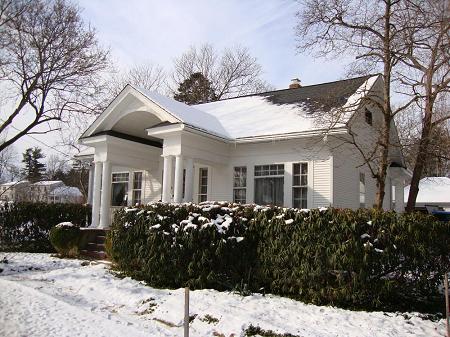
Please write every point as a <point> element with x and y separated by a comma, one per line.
<point>358,259</point>
<point>26,226</point>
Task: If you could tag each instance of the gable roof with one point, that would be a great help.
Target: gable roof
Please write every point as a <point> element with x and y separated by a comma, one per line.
<point>274,113</point>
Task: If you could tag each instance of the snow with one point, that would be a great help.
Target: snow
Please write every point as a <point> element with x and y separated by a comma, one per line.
<point>186,114</point>
<point>252,116</point>
<point>257,116</point>
<point>432,190</point>
<point>13,183</point>
<point>46,296</point>
<point>65,224</point>
<point>48,182</point>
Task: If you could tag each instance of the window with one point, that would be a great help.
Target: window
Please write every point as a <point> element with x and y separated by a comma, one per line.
<point>203,185</point>
<point>240,184</point>
<point>269,184</point>
<point>362,190</point>
<point>119,189</point>
<point>368,117</point>
<point>300,185</point>
<point>137,188</point>
<point>393,197</point>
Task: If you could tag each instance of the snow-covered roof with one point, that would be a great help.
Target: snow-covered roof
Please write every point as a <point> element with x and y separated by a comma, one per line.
<point>278,113</point>
<point>272,113</point>
<point>12,183</point>
<point>67,191</point>
<point>187,114</point>
<point>48,182</point>
<point>287,111</point>
<point>432,190</point>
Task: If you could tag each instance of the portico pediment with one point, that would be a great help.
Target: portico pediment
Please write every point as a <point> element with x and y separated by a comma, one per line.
<point>131,113</point>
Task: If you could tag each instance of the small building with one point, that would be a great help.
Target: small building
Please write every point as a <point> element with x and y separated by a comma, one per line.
<point>41,190</point>
<point>14,191</point>
<point>65,194</point>
<point>433,191</point>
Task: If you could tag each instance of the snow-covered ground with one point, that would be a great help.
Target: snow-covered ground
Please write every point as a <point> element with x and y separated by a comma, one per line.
<point>45,296</point>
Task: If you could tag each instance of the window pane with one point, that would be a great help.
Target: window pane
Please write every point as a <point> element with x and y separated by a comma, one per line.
<point>203,184</point>
<point>304,180</point>
<point>269,170</point>
<point>296,181</point>
<point>120,177</point>
<point>239,195</point>
<point>300,197</point>
<point>137,180</point>
<point>240,177</point>
<point>119,194</point>
<point>269,191</point>
<point>137,197</point>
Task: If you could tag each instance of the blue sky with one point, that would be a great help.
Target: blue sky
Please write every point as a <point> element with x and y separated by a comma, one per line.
<point>156,31</point>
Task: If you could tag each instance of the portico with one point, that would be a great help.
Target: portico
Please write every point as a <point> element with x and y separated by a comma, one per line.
<point>141,154</point>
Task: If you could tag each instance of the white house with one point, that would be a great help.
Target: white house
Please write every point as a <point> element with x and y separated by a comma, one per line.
<point>14,191</point>
<point>41,190</point>
<point>433,191</point>
<point>268,148</point>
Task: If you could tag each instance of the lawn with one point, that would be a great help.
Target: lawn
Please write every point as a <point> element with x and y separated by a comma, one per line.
<point>46,296</point>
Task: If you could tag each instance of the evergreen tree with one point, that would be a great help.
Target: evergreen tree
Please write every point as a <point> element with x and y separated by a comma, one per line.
<point>195,90</point>
<point>34,169</point>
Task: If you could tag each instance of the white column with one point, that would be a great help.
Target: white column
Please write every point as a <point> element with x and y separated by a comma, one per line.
<point>90,184</point>
<point>189,181</point>
<point>178,183</point>
<point>399,197</point>
<point>167,179</point>
<point>96,193</point>
<point>105,208</point>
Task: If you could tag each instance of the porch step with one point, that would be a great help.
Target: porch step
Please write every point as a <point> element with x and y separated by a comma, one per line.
<point>100,239</point>
<point>95,247</point>
<point>94,254</point>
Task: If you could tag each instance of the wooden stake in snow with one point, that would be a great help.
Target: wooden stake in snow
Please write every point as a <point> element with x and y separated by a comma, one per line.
<point>186,312</point>
<point>447,304</point>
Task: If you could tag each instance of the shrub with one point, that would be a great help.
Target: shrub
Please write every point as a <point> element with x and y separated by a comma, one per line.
<point>171,246</point>
<point>364,259</point>
<point>26,226</point>
<point>65,237</point>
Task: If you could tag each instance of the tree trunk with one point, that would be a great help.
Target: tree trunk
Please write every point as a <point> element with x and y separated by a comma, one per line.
<point>387,113</point>
<point>422,153</point>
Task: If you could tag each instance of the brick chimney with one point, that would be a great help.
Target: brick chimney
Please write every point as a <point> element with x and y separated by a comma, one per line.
<point>295,84</point>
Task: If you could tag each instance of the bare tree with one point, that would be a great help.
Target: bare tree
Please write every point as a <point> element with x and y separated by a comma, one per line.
<point>232,72</point>
<point>52,63</point>
<point>409,126</point>
<point>147,75</point>
<point>56,164</point>
<point>8,163</point>
<point>425,54</point>
<point>368,30</point>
